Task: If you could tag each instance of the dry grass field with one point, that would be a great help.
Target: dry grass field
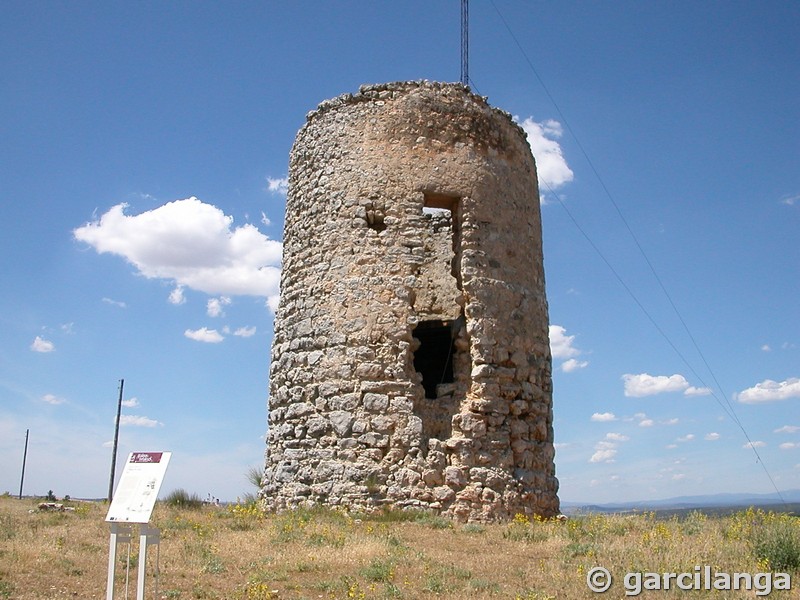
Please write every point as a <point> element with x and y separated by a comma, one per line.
<point>239,553</point>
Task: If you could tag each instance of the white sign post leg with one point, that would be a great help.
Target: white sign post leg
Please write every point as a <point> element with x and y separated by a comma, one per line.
<point>120,534</point>
<point>147,537</point>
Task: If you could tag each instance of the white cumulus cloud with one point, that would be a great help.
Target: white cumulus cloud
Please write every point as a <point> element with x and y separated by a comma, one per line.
<point>130,403</point>
<point>638,386</point>
<point>712,437</point>
<point>191,243</point>
<point>603,417</point>
<point>214,306</point>
<point>52,399</point>
<point>605,451</point>
<point>42,345</point>
<point>279,185</point>
<point>561,343</point>
<point>769,391</point>
<point>790,199</point>
<point>551,165</point>
<point>573,364</point>
<point>562,348</point>
<point>787,429</point>
<point>176,296</point>
<point>606,454</point>
<point>204,334</point>
<point>138,421</point>
<point>117,303</point>
<point>697,391</point>
<point>245,332</point>
<point>756,444</point>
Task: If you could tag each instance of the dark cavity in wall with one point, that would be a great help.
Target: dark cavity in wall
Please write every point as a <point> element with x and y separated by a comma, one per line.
<point>434,357</point>
<point>375,220</point>
<point>439,363</point>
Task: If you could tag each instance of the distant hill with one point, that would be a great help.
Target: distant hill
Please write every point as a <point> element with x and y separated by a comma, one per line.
<point>788,501</point>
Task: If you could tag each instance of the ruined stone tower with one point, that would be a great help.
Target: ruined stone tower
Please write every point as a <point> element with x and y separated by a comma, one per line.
<point>411,362</point>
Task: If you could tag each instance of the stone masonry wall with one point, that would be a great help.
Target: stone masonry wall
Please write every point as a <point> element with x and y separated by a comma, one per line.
<point>411,361</point>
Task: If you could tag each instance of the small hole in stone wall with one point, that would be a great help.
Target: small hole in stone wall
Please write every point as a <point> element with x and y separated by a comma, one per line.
<point>375,221</point>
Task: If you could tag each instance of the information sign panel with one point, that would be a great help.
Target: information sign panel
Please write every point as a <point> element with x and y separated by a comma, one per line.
<point>138,487</point>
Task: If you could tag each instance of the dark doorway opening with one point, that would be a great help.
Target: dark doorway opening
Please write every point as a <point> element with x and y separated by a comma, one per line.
<point>434,357</point>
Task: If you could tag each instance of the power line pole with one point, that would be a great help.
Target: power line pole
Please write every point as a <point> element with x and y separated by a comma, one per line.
<point>116,439</point>
<point>465,42</point>
<point>24,459</point>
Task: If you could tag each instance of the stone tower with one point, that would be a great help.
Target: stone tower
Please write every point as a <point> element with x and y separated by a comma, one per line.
<point>411,361</point>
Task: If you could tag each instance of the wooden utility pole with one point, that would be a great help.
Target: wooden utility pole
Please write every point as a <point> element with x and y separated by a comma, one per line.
<point>24,458</point>
<point>116,439</point>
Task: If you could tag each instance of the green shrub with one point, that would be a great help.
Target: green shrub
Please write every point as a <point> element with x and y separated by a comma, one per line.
<point>180,498</point>
<point>6,589</point>
<point>433,520</point>
<point>777,541</point>
<point>379,570</point>
<point>473,528</point>
<point>390,515</point>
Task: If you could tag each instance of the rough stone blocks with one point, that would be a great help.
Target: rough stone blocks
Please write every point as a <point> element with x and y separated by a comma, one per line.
<point>411,361</point>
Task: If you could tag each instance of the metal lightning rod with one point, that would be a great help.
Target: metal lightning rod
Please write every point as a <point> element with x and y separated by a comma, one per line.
<point>465,42</point>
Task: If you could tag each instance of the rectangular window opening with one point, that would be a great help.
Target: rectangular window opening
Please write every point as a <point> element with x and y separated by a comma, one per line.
<point>440,364</point>
<point>434,200</point>
<point>437,204</point>
<point>433,359</point>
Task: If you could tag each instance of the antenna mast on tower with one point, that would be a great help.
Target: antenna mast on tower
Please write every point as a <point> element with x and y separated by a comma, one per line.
<point>465,42</point>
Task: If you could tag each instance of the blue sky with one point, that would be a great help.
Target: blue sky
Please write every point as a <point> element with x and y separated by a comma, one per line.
<point>144,145</point>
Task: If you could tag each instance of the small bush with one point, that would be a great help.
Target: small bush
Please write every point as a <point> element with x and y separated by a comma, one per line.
<point>6,589</point>
<point>695,522</point>
<point>245,516</point>
<point>180,498</point>
<point>433,520</point>
<point>574,549</point>
<point>473,528</point>
<point>8,527</point>
<point>518,531</point>
<point>777,541</point>
<point>379,570</point>
<point>258,590</point>
<point>390,515</point>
